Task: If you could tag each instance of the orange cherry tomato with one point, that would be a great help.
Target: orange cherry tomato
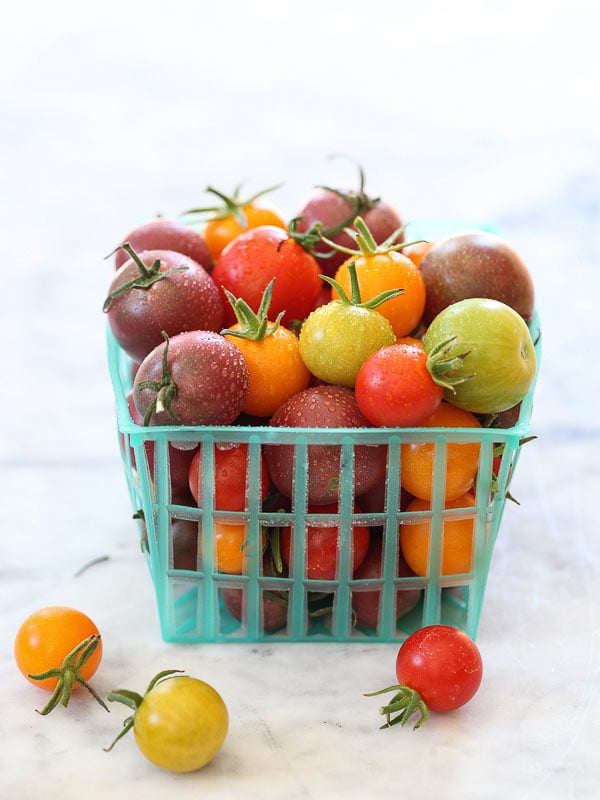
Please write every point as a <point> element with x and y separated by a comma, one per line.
<point>462,458</point>
<point>47,636</point>
<point>220,230</point>
<point>276,368</point>
<point>232,550</point>
<point>379,272</point>
<point>417,251</point>
<point>457,538</point>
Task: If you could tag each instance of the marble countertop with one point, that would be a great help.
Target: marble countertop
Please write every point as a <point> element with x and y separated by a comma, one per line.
<point>475,111</point>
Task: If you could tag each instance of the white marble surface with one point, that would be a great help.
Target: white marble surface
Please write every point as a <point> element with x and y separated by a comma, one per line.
<point>464,110</point>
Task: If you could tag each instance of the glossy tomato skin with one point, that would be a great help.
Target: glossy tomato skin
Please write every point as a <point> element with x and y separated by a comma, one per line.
<point>167,234</point>
<point>323,406</point>
<point>230,469</point>
<point>274,604</point>
<point>443,664</point>
<point>138,317</point>
<point>462,458</point>
<point>322,542</point>
<point>215,400</point>
<point>475,264</point>
<point>47,636</point>
<point>181,724</point>
<point>254,258</point>
<point>221,230</point>
<point>499,362</point>
<point>331,210</point>
<point>394,388</point>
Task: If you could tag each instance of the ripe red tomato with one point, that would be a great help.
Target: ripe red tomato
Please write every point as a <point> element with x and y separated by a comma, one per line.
<point>323,542</point>
<point>394,387</point>
<point>443,664</point>
<point>231,477</point>
<point>254,258</point>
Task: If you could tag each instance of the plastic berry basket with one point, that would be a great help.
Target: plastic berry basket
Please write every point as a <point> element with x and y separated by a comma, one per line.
<point>194,598</point>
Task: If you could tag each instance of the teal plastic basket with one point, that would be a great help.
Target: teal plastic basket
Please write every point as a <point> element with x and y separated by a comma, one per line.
<point>194,599</point>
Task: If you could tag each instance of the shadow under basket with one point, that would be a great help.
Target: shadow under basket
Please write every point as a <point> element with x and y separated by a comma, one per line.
<point>198,602</point>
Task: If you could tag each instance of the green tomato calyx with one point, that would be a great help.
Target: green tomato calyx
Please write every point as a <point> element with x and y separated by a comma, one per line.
<point>231,205</point>
<point>69,675</point>
<point>355,298</point>
<point>407,702</point>
<point>365,241</point>
<point>146,278</point>
<point>253,325</point>
<point>440,364</point>
<point>165,388</point>
<point>133,700</point>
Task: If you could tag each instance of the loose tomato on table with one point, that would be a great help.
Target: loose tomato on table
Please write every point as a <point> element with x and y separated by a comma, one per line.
<point>58,648</point>
<point>179,724</point>
<point>439,668</point>
<point>234,215</point>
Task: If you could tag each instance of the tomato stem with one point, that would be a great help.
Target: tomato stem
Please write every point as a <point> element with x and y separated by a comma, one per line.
<point>165,388</point>
<point>252,325</point>
<point>407,702</point>
<point>232,205</point>
<point>355,298</point>
<point>133,700</point>
<point>440,363</point>
<point>146,278</point>
<point>69,675</point>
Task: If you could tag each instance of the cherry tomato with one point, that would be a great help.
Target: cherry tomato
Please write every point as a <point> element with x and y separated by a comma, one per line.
<point>443,664</point>
<point>462,458</point>
<point>417,251</point>
<point>47,636</point>
<point>439,668</point>
<point>230,468</point>
<point>381,271</point>
<point>232,549</point>
<point>254,258</point>
<point>180,723</point>
<point>491,352</point>
<point>272,353</point>
<point>232,215</point>
<point>323,542</point>
<point>394,388</point>
<point>457,538</point>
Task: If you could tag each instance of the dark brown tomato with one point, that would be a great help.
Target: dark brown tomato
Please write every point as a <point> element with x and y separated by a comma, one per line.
<point>475,264</point>
<point>207,382</point>
<point>184,533</point>
<point>323,406</point>
<point>179,462</point>
<point>274,602</point>
<point>185,300</point>
<point>366,604</point>
<point>332,210</point>
<point>167,234</point>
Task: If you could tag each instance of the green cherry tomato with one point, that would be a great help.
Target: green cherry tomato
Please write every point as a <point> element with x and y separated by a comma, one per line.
<point>481,351</point>
<point>179,724</point>
<point>337,338</point>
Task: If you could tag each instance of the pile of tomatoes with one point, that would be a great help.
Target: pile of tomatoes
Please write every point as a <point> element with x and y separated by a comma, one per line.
<point>233,314</point>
